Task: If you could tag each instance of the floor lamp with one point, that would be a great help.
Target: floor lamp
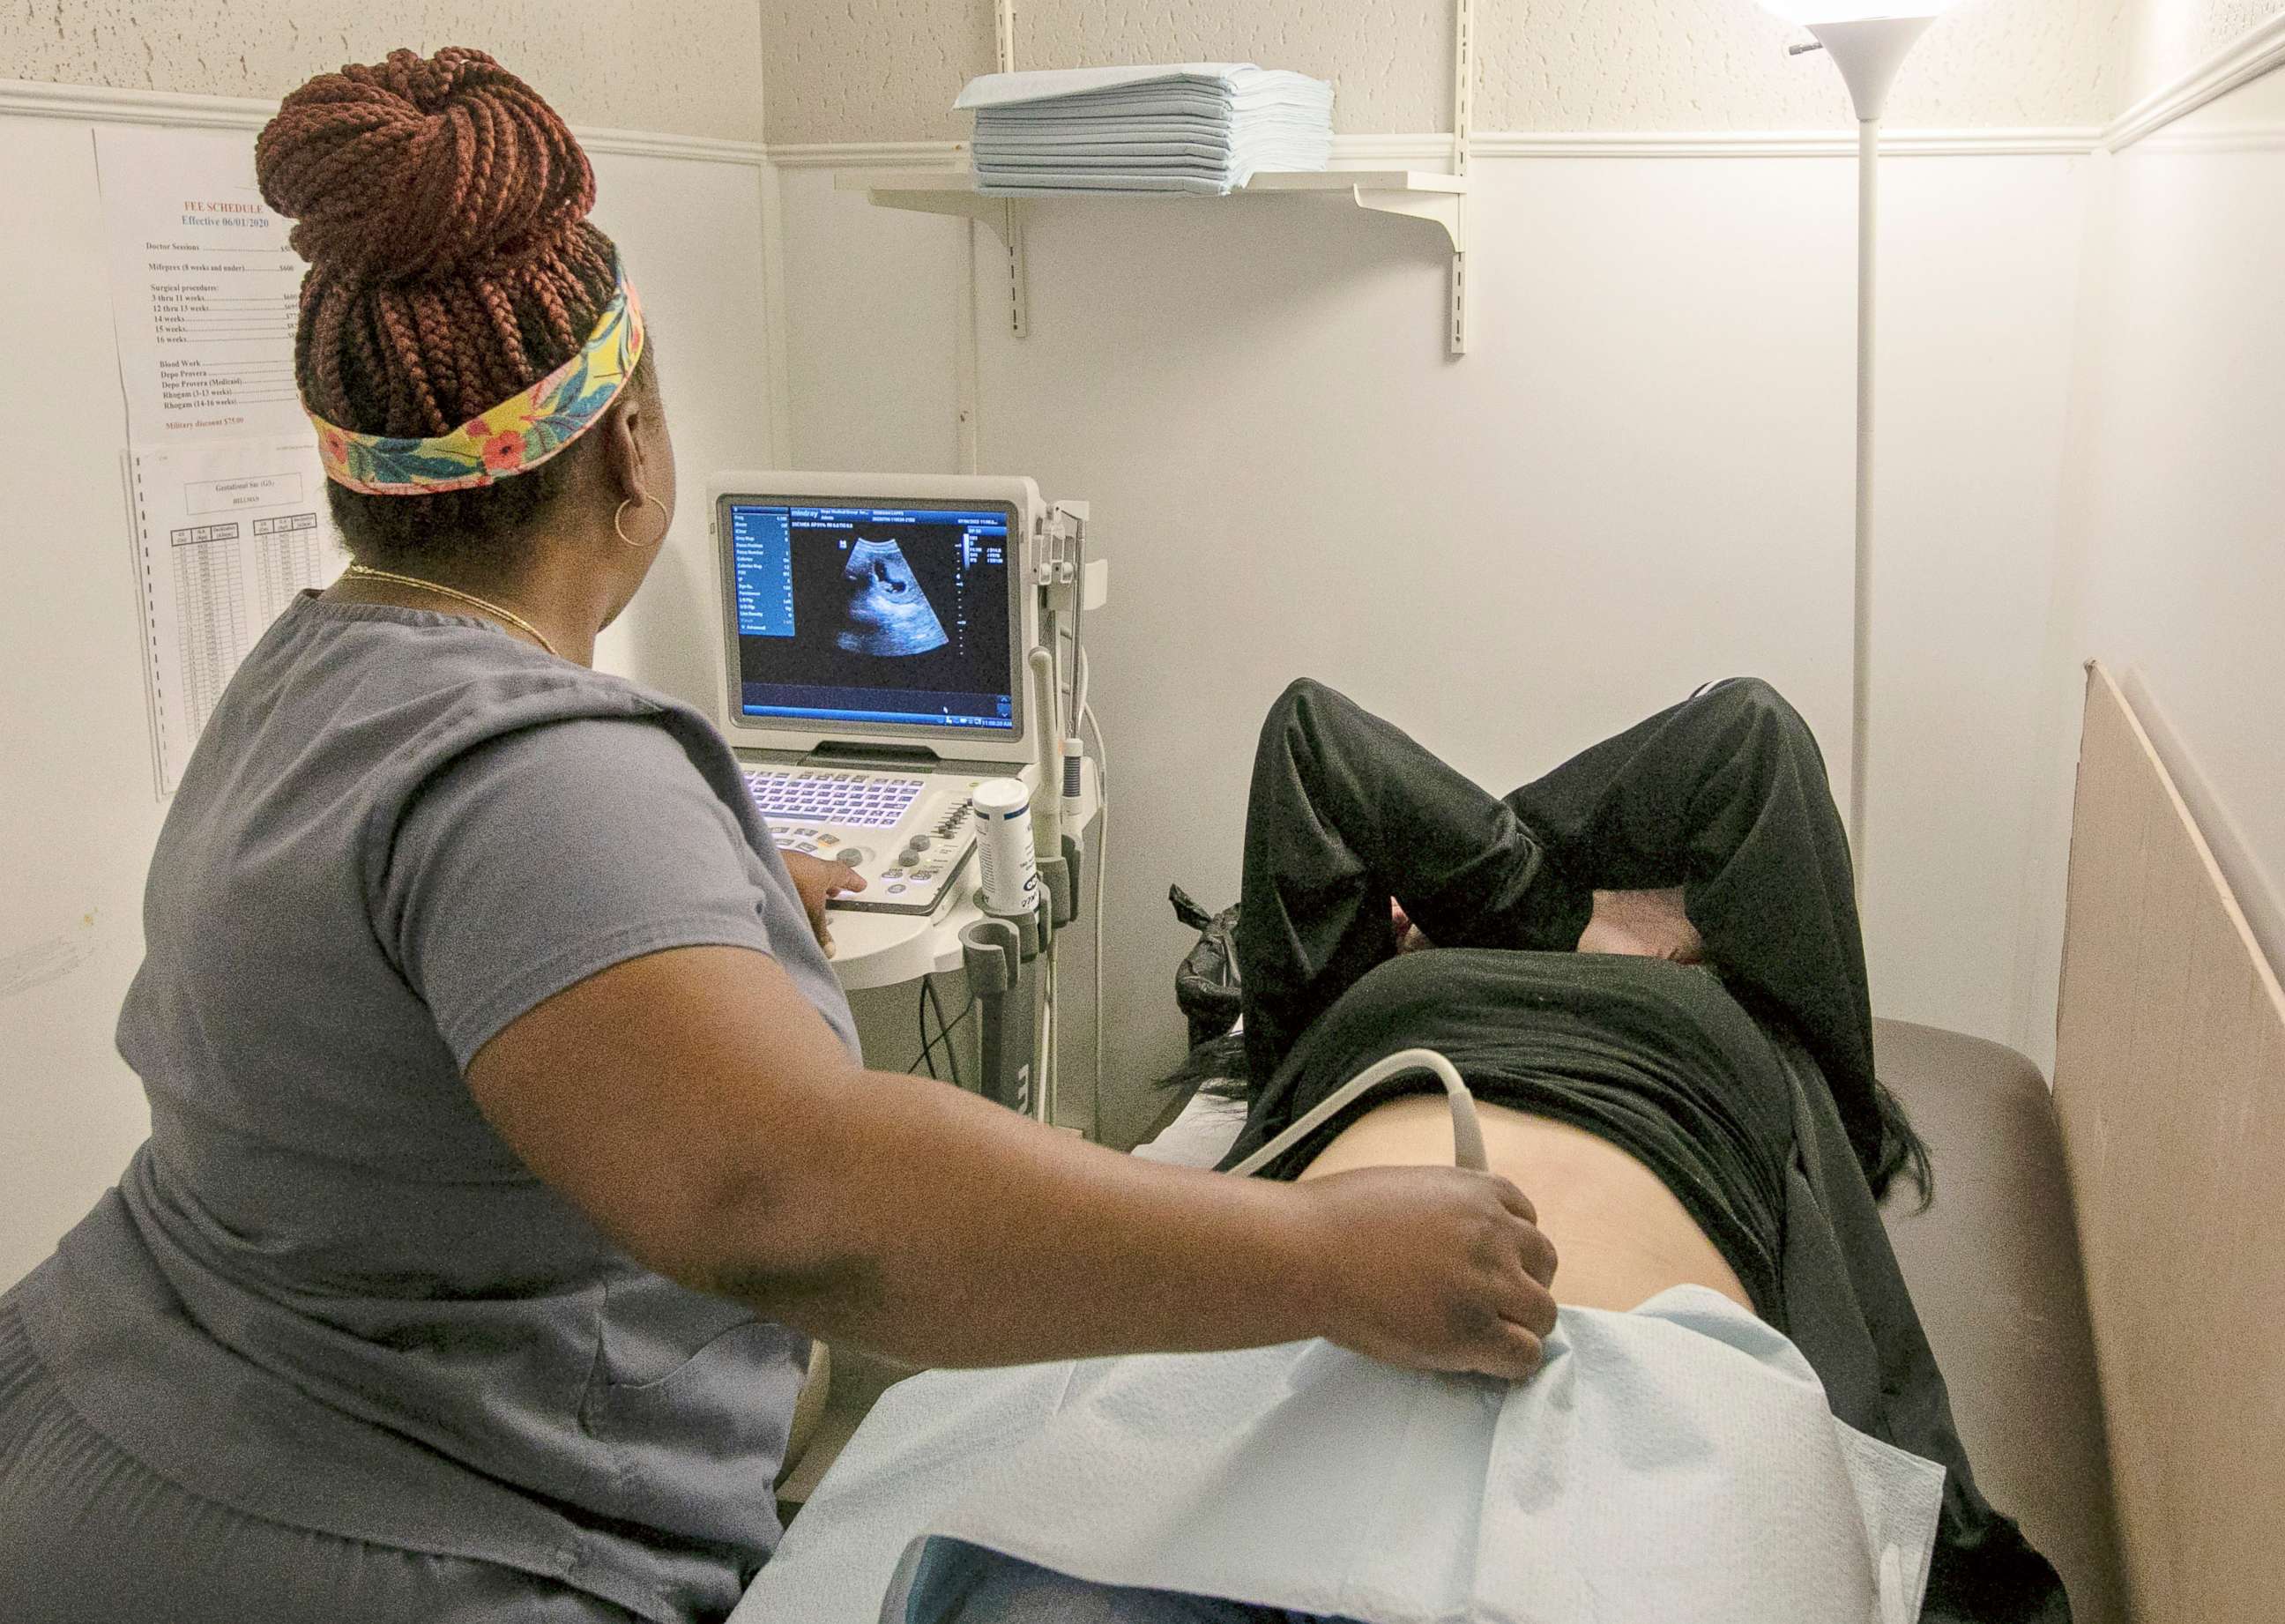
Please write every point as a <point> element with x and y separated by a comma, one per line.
<point>1868,41</point>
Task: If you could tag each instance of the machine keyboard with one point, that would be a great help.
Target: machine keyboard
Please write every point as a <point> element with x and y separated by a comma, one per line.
<point>858,800</point>
<point>909,836</point>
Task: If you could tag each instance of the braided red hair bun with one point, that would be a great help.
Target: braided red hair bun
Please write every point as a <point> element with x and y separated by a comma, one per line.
<point>441,206</point>
<point>418,166</point>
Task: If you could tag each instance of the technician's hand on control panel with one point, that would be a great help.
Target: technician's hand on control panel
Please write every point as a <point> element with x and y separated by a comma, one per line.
<point>817,879</point>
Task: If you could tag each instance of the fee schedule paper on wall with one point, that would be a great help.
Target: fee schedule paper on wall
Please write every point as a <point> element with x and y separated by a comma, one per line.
<point>204,287</point>
<point>229,516</point>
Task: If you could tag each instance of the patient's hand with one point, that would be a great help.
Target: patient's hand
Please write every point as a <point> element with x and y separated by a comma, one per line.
<point>1408,936</point>
<point>1646,924</point>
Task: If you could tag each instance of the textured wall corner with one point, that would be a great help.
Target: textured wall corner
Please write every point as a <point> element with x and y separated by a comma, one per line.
<point>887,70</point>
<point>692,69</point>
<point>2172,37</point>
<point>1707,65</point>
<point>872,70</point>
<point>1390,61</point>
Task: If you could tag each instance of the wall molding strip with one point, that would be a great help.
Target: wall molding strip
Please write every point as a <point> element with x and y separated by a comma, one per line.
<point>1429,151</point>
<point>2250,56</point>
<point>107,104</point>
<point>2183,143</point>
<point>1782,142</point>
<point>870,154</point>
<point>1435,151</point>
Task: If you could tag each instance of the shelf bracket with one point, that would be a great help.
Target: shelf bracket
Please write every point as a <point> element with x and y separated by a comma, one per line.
<point>1444,208</point>
<point>1449,210</point>
<point>1455,338</point>
<point>1004,215</point>
<point>1019,295</point>
<point>1463,124</point>
<point>1011,226</point>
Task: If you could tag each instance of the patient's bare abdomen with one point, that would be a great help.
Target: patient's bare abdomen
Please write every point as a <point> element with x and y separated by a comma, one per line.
<point>888,613</point>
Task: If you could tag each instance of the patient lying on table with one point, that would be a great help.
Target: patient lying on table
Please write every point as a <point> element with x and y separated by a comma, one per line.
<point>1646,965</point>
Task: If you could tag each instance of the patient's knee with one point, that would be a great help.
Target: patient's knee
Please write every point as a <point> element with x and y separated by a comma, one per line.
<point>1753,701</point>
<point>1746,693</point>
<point>1304,700</point>
<point>1302,694</point>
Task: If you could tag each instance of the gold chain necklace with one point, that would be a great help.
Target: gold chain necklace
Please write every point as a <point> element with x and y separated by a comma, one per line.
<point>365,573</point>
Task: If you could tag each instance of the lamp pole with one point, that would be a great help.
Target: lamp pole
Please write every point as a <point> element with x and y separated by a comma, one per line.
<point>1860,666</point>
<point>1868,52</point>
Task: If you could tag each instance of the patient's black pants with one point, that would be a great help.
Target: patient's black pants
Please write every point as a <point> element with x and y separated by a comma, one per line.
<point>1724,794</point>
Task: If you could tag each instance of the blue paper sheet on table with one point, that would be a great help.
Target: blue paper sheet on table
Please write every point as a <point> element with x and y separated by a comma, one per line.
<point>1675,1462</point>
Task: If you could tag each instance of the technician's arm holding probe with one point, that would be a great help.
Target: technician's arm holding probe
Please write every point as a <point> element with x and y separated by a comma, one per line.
<point>697,1108</point>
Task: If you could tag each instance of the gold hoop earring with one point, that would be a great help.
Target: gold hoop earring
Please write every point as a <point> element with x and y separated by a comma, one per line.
<point>619,519</point>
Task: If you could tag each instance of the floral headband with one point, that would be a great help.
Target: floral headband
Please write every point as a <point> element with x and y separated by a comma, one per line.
<point>519,433</point>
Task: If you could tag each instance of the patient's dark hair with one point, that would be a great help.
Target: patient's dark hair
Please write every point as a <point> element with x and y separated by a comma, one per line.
<point>441,206</point>
<point>1216,1067</point>
<point>1903,1150</point>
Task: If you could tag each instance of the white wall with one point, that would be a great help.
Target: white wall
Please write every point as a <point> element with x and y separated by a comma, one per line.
<point>1612,301</point>
<point>78,810</point>
<point>2174,555</point>
<point>693,68</point>
<point>692,232</point>
<point>1638,479</point>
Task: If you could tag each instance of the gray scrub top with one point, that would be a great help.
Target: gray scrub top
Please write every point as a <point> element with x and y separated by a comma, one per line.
<point>326,1291</point>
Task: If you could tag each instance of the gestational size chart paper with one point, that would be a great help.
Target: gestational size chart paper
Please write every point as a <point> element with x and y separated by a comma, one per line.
<point>228,501</point>
<point>226,531</point>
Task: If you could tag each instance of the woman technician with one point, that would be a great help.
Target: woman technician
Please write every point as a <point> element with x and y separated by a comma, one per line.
<point>508,1140</point>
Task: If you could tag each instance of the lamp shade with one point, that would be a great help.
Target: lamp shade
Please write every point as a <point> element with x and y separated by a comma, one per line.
<point>1809,13</point>
<point>1868,39</point>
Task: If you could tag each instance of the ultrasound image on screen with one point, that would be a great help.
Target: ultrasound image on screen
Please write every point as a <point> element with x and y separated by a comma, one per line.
<point>873,614</point>
<point>888,615</point>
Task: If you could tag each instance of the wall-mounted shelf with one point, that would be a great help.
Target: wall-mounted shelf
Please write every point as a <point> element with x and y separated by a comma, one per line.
<point>1441,200</point>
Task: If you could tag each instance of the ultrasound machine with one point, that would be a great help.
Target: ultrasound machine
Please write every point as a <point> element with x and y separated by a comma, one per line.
<point>880,633</point>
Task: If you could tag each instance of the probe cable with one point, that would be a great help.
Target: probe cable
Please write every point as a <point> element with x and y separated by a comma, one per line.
<point>944,1031</point>
<point>1467,1132</point>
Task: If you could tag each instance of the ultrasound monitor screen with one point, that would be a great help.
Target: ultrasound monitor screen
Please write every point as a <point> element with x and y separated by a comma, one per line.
<point>873,614</point>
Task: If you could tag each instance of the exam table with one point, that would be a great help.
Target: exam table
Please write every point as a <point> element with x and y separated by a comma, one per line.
<point>1993,1266</point>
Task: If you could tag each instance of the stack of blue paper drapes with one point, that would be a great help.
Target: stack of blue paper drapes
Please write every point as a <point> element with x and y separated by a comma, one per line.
<point>1198,127</point>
